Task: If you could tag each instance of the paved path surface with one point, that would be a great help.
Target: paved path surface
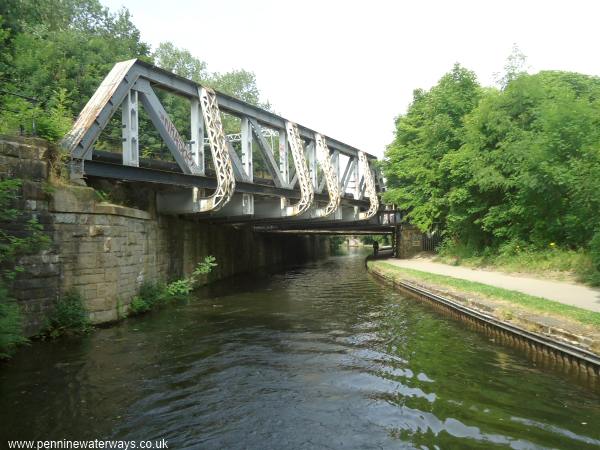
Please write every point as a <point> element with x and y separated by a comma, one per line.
<point>568,293</point>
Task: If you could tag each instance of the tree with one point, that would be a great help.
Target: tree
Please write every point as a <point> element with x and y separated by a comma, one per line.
<point>60,47</point>
<point>516,64</point>
<point>180,61</point>
<point>501,168</point>
<point>535,159</point>
<point>239,83</point>
<point>416,162</point>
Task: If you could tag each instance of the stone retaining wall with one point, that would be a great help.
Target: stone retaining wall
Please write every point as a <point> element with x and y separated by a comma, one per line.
<point>106,251</point>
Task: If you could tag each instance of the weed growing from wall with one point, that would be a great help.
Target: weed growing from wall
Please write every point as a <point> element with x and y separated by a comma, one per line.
<point>69,316</point>
<point>152,295</point>
<point>15,242</point>
<point>11,333</point>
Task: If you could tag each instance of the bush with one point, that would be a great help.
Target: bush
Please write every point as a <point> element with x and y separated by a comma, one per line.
<point>183,287</point>
<point>69,315</point>
<point>515,256</point>
<point>595,250</point>
<point>179,288</point>
<point>594,277</point>
<point>138,305</point>
<point>455,251</point>
<point>152,295</point>
<point>56,120</point>
<point>205,267</point>
<point>51,123</point>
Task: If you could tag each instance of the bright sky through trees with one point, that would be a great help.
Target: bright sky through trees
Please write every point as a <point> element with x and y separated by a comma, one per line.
<point>346,67</point>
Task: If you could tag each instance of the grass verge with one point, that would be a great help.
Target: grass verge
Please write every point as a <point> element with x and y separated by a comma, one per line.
<point>555,263</point>
<point>530,302</point>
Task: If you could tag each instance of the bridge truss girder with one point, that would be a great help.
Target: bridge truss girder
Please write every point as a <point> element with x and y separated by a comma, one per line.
<point>329,180</point>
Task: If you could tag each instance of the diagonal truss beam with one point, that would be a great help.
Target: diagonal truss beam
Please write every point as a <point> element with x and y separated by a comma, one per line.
<point>267,153</point>
<point>238,168</point>
<point>169,134</point>
<point>347,174</point>
<point>100,108</point>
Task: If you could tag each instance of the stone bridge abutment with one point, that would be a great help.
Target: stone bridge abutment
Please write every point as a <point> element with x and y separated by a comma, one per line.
<point>106,251</point>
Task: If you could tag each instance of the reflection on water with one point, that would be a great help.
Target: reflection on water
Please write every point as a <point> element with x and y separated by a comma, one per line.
<point>319,356</point>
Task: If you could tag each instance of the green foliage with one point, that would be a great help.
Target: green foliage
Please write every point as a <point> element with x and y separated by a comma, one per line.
<point>416,167</point>
<point>371,238</point>
<point>139,305</point>
<point>335,242</point>
<point>530,302</point>
<point>595,254</point>
<point>121,313</point>
<point>102,196</point>
<point>69,315</point>
<point>14,243</point>
<point>179,288</point>
<point>153,295</point>
<point>555,262</point>
<point>515,66</point>
<point>51,122</point>
<point>57,121</point>
<point>11,326</point>
<point>237,83</point>
<point>495,168</point>
<point>204,267</point>
<point>57,53</point>
<point>180,61</point>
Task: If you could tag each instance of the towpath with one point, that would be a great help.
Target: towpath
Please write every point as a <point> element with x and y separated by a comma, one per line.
<point>568,293</point>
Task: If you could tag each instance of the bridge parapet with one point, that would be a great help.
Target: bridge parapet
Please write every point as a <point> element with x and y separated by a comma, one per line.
<point>313,177</point>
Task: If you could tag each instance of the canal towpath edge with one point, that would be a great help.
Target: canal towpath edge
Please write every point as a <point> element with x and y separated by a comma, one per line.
<point>563,329</point>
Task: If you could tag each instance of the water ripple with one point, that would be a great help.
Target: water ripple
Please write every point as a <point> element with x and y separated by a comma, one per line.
<point>320,356</point>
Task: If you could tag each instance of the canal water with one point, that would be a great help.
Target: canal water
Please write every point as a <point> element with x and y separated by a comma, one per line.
<point>316,356</point>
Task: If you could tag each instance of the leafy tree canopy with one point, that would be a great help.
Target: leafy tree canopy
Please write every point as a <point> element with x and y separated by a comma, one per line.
<point>55,54</point>
<point>491,167</point>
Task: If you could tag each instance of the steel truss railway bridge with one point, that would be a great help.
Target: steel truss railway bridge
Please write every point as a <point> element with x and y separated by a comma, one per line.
<point>315,184</point>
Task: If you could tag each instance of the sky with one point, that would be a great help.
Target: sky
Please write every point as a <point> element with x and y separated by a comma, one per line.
<point>348,68</point>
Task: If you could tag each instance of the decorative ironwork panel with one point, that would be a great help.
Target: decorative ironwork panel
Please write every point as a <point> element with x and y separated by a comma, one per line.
<point>220,153</point>
<point>306,187</point>
<point>370,191</point>
<point>333,187</point>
